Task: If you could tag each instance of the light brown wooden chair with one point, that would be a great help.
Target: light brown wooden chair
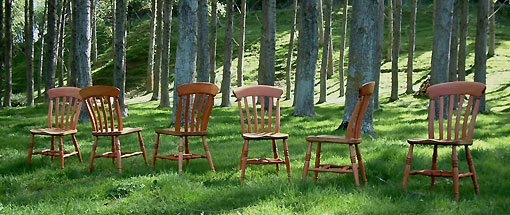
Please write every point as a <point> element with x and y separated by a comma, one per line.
<point>260,130</point>
<point>202,96</point>
<point>352,138</point>
<point>455,92</point>
<point>101,103</point>
<point>67,103</point>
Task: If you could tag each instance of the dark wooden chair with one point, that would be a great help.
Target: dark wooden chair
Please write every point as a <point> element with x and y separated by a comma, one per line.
<point>102,105</point>
<point>67,103</point>
<point>352,138</point>
<point>260,130</point>
<point>202,96</point>
<point>455,92</point>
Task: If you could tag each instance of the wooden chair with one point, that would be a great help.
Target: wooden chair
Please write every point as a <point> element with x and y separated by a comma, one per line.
<point>455,92</point>
<point>101,103</point>
<point>260,130</point>
<point>67,103</point>
<point>202,95</point>
<point>352,138</point>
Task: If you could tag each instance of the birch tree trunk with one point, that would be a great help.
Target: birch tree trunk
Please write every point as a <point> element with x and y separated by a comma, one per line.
<point>8,53</point>
<point>227,62</point>
<point>242,31</point>
<point>152,38</point>
<point>29,50</point>
<point>390,30</point>
<point>342,47</point>
<point>492,28</point>
<point>93,30</point>
<point>119,54</point>
<point>462,42</point>
<point>308,47</point>
<point>41,50</point>
<point>325,54</point>
<point>203,42</point>
<point>212,43</point>
<point>379,57</point>
<point>266,72</point>
<point>321,24</point>
<point>481,47</point>
<point>290,53</point>
<point>410,56</point>
<point>159,49</point>
<point>165,57</point>
<point>454,41</point>
<point>396,50</point>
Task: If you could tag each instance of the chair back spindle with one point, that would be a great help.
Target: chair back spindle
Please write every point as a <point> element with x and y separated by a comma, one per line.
<point>354,127</point>
<point>101,102</point>
<point>65,106</point>
<point>198,99</point>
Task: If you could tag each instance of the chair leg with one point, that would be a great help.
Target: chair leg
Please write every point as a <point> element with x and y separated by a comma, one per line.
<point>287,159</point>
<point>61,151</point>
<point>186,148</point>
<point>408,166</point>
<point>307,160</point>
<point>155,153</point>
<point>317,160</point>
<point>52,147</point>
<point>275,154</point>
<point>455,173</point>
<point>113,149</point>
<point>208,154</point>
<point>180,155</point>
<point>244,159</point>
<point>75,142</point>
<point>242,154</point>
<point>472,169</point>
<point>119,154</point>
<point>354,165</point>
<point>93,154</point>
<point>360,163</point>
<point>142,146</point>
<point>434,166</point>
<point>30,150</point>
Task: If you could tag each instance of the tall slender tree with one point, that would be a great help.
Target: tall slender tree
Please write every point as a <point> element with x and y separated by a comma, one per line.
<point>396,49</point>
<point>51,47</point>
<point>461,64</point>
<point>321,23</point>
<point>41,29</point>
<point>227,62</point>
<point>119,54</point>
<point>61,42</point>
<point>159,49</point>
<point>93,30</point>
<point>266,73</point>
<point>410,56</point>
<point>308,47</point>
<point>152,38</point>
<point>330,55</point>
<point>2,54</point>
<point>29,50</point>
<point>8,53</point>
<point>325,53</point>
<point>342,47</point>
<point>390,29</point>
<point>288,68</point>
<point>379,57</point>
<point>81,46</point>
<point>72,76</point>
<point>454,41</point>
<point>212,42</point>
<point>240,56</point>
<point>165,57</point>
<point>492,29</point>
<point>203,41</point>
<point>481,46</point>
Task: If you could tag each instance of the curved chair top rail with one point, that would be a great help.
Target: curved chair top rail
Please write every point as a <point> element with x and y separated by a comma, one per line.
<point>99,90</point>
<point>64,91</point>
<point>366,89</point>
<point>354,127</point>
<point>197,88</point>
<point>258,90</point>
<point>457,87</point>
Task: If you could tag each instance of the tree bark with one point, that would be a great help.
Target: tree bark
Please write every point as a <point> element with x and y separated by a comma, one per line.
<point>93,30</point>
<point>165,57</point>
<point>363,64</point>
<point>203,42</point>
<point>72,78</point>
<point>330,55</point>
<point>308,47</point>
<point>60,54</point>
<point>119,54</point>
<point>390,30</point>
<point>41,50</point>
<point>159,50</point>
<point>379,57</point>
<point>227,62</point>
<point>51,47</point>
<point>212,42</point>
<point>2,50</point>
<point>410,56</point>
<point>291,50</point>
<point>454,41</point>
<point>321,23</point>
<point>481,47</point>
<point>29,50</point>
<point>81,46</point>
<point>492,29</point>
<point>396,50</point>
<point>8,53</point>
<point>462,42</point>
<point>152,38</point>
<point>342,47</point>
<point>240,56</point>
<point>325,53</point>
<point>266,73</point>
<point>186,48</point>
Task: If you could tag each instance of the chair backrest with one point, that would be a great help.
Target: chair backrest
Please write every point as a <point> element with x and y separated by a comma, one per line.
<point>67,103</point>
<point>354,127</point>
<point>453,90</point>
<point>264,94</point>
<point>101,102</point>
<point>202,94</point>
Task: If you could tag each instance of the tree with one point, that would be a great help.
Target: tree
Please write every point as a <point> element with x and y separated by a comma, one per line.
<point>159,49</point>
<point>342,46</point>
<point>2,54</point>
<point>51,47</point>
<point>8,53</point>
<point>72,76</point>
<point>321,23</point>
<point>363,60</point>
<point>325,53</point>
<point>119,54</point>
<point>454,41</point>
<point>378,58</point>
<point>203,42</point>
<point>81,47</point>
<point>93,30</point>
<point>240,57</point>
<point>492,28</point>
<point>481,46</point>
<point>60,53</point>
<point>390,29</point>
<point>165,57</point>
<point>308,47</point>
<point>227,62</point>
<point>288,68</point>
<point>396,50</point>
<point>212,43</point>
<point>410,56</point>
<point>41,49</point>
<point>150,63</point>
<point>29,50</point>
<point>462,41</point>
<point>266,71</point>
<point>186,47</point>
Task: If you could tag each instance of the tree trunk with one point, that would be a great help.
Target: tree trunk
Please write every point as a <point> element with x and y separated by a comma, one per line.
<point>325,54</point>
<point>321,23</point>
<point>379,57</point>
<point>2,50</point>
<point>330,55</point>
<point>308,47</point>
<point>227,62</point>
<point>203,42</point>
<point>396,50</point>
<point>240,56</point>
<point>492,28</point>
<point>8,53</point>
<point>51,47</point>
<point>60,54</point>
<point>29,50</point>
<point>165,57</point>
<point>93,30</point>
<point>462,42</point>
<point>481,46</point>
<point>72,76</point>
<point>390,29</point>
<point>159,49</point>
<point>266,73</point>
<point>363,60</point>
<point>152,38</point>
<point>410,56</point>
<point>41,50</point>
<point>212,43</point>
<point>342,47</point>
<point>119,54</point>
<point>291,50</point>
<point>186,47</point>
<point>81,46</point>
<point>454,41</point>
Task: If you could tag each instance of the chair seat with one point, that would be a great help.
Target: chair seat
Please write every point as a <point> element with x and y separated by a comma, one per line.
<point>115,132</point>
<point>53,131</point>
<point>424,141</point>
<point>264,136</point>
<point>172,131</point>
<point>332,139</point>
